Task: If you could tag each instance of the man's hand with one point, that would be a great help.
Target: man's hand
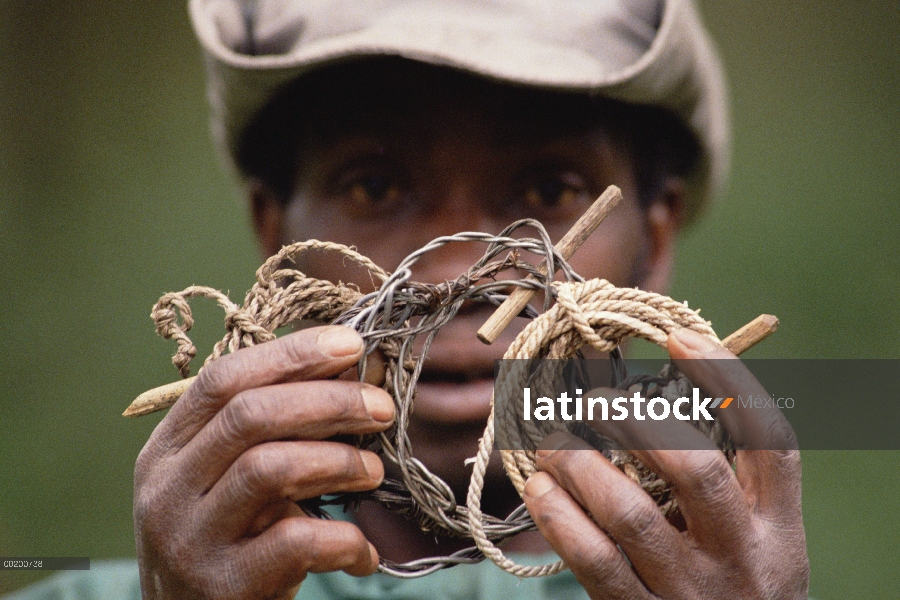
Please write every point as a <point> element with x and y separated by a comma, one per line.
<point>216,484</point>
<point>744,533</point>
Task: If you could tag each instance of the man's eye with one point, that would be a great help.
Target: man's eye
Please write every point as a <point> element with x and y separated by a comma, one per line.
<point>374,191</point>
<point>559,192</point>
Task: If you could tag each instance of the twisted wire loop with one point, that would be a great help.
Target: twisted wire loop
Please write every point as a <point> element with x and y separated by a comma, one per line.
<point>401,312</point>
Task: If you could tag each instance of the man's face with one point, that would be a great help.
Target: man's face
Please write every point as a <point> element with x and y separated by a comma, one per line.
<point>405,159</point>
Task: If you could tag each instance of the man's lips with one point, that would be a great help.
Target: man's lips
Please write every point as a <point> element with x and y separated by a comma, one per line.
<point>453,402</point>
<point>457,380</point>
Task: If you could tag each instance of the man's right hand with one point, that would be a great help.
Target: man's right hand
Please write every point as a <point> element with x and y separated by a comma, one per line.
<point>216,484</point>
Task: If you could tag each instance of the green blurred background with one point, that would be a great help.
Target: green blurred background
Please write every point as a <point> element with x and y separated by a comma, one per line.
<point>110,195</point>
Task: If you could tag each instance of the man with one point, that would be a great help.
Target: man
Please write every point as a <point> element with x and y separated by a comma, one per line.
<point>383,125</point>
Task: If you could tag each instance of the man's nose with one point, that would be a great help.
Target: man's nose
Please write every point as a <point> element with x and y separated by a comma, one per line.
<point>451,218</point>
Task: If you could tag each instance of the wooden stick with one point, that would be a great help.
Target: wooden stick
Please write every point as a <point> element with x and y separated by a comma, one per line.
<point>158,398</point>
<point>751,334</point>
<point>566,247</point>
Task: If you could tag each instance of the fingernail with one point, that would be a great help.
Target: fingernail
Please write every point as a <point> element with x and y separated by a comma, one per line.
<point>373,465</point>
<point>554,442</point>
<point>378,404</point>
<point>695,341</point>
<point>538,485</point>
<point>338,341</point>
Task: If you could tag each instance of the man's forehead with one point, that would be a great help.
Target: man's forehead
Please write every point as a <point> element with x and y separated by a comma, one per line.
<point>396,99</point>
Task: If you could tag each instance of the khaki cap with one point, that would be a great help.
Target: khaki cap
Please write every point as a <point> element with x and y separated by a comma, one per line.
<point>641,51</point>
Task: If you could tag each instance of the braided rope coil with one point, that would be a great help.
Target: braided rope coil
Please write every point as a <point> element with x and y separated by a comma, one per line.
<point>591,313</point>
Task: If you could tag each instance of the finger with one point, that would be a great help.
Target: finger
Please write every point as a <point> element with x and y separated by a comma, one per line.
<point>619,506</point>
<point>767,460</point>
<point>278,560</point>
<point>593,557</point>
<point>712,501</point>
<point>315,353</point>
<point>720,373</point>
<point>280,471</point>
<point>311,410</point>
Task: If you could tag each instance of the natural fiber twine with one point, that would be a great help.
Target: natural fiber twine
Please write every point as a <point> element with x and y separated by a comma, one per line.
<point>591,313</point>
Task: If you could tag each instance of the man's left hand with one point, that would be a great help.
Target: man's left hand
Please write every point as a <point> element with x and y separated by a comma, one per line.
<point>744,533</point>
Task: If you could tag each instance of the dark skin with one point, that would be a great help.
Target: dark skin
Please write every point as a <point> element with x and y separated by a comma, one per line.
<point>215,485</point>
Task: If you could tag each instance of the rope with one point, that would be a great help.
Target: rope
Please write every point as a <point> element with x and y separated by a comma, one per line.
<point>391,319</point>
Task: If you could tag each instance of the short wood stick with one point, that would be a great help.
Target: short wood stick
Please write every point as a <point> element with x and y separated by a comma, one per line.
<point>158,398</point>
<point>751,334</point>
<point>566,247</point>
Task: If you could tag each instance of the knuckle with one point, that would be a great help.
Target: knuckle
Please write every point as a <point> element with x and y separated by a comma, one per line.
<point>786,463</point>
<point>779,435</point>
<point>296,349</point>
<point>152,492</point>
<point>309,543</point>
<point>637,522</point>
<point>143,466</point>
<point>707,474</point>
<point>155,453</point>
<point>257,469</point>
<point>265,568</point>
<point>214,379</point>
<point>790,460</point>
<point>597,561</point>
<point>245,417</point>
<point>144,505</point>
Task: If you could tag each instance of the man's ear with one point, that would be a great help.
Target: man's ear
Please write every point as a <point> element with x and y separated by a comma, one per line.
<point>665,217</point>
<point>268,213</point>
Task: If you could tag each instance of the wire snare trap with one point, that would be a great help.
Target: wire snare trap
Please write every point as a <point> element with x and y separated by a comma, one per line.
<point>576,314</point>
